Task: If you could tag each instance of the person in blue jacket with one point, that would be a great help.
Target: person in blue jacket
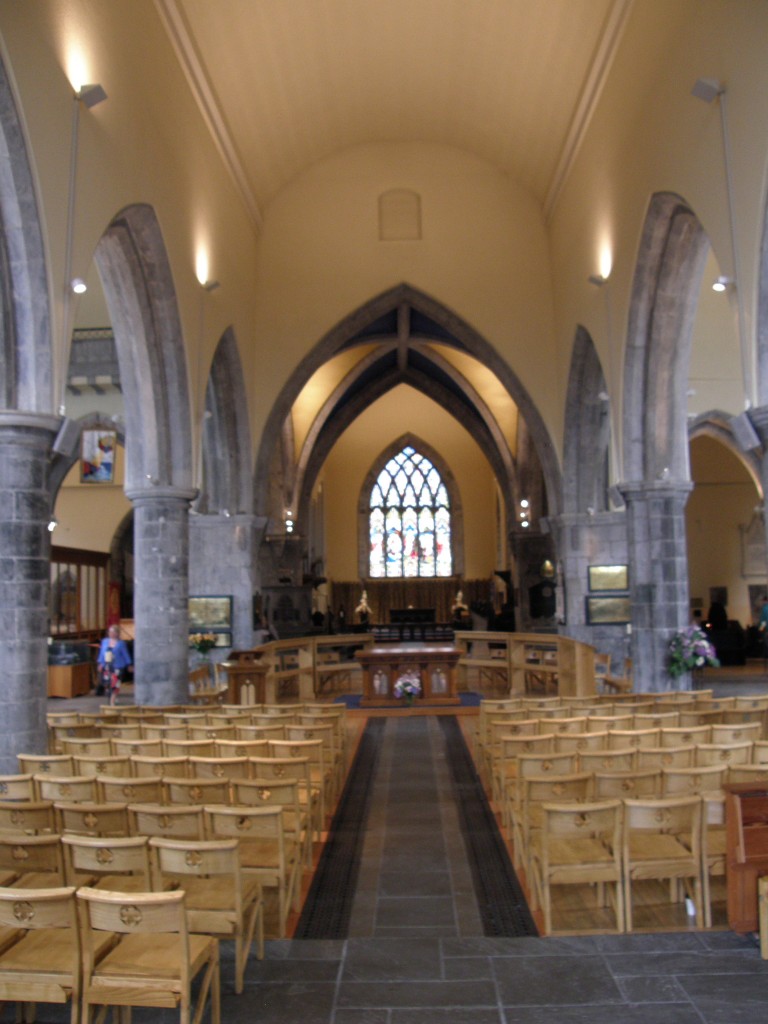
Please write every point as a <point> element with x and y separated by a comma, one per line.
<point>114,658</point>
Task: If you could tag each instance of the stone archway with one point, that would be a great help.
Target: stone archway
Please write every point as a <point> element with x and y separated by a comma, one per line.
<point>587,431</point>
<point>138,286</point>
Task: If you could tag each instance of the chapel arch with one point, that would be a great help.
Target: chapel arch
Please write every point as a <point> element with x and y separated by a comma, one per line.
<point>587,431</point>
<point>226,440</point>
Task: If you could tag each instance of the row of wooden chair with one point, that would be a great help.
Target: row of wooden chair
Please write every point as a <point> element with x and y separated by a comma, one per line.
<point>96,949</point>
<point>677,841</point>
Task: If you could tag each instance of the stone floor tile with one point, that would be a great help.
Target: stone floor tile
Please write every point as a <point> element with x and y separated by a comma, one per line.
<point>415,911</point>
<point>417,994</point>
<point>627,964</point>
<point>552,981</point>
<point>393,960</point>
<point>652,988</point>
<point>663,1013</point>
<point>447,1016</point>
<point>728,998</point>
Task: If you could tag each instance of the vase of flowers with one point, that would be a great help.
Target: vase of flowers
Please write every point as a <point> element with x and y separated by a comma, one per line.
<point>202,643</point>
<point>690,649</point>
<point>407,687</point>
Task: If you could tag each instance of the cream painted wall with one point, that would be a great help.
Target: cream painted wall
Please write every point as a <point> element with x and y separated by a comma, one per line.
<point>89,514</point>
<point>344,472</point>
<point>146,144</point>
<point>723,500</point>
<point>483,254</point>
<point>649,134</point>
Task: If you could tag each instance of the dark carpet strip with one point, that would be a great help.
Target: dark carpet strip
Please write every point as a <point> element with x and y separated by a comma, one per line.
<point>328,905</point>
<point>502,905</point>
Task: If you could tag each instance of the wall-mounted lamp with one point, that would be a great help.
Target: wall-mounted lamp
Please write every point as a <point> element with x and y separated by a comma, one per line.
<point>91,95</point>
<point>597,280</point>
<point>79,287</point>
<point>721,284</point>
<point>52,524</point>
<point>211,286</point>
<point>707,89</point>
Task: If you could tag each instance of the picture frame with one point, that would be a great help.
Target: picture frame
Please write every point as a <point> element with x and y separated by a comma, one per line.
<point>609,609</point>
<point>210,614</point>
<point>608,577</point>
<point>97,456</point>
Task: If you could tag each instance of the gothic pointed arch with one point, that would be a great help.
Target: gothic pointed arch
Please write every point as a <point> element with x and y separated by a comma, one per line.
<point>404,312</point>
<point>587,431</point>
<point>410,441</point>
<point>717,424</point>
<point>226,440</point>
<point>138,285</point>
<point>26,362</point>
<point>665,292</point>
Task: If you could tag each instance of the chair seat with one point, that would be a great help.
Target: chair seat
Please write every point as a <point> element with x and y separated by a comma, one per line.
<point>212,893</point>
<point>135,955</point>
<point>46,951</point>
<point>47,880</point>
<point>584,853</point>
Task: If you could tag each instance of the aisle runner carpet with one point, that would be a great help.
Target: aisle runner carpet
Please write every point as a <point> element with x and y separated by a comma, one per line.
<point>500,900</point>
<point>328,905</point>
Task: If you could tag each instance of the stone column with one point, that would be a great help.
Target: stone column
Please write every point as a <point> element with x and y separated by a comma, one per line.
<point>658,577</point>
<point>161,592</point>
<point>25,548</point>
<point>759,420</point>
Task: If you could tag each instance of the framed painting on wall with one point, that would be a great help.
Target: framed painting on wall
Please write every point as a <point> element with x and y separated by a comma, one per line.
<point>210,613</point>
<point>97,456</point>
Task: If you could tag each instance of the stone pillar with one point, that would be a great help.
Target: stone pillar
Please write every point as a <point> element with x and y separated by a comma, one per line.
<point>25,547</point>
<point>658,577</point>
<point>584,540</point>
<point>161,592</point>
<point>759,419</point>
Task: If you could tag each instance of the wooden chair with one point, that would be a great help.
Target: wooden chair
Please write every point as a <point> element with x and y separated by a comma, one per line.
<point>17,787</point>
<point>662,841</point>
<point>508,750</point>
<point>655,719</point>
<point>320,775</point>
<point>71,788</point>
<point>533,764</point>
<point>623,738</point>
<point>91,746</point>
<point>197,791</point>
<point>93,819</point>
<point>116,863</point>
<point>45,764</point>
<point>265,854</point>
<point>164,731</point>
<point>666,757</point>
<point>677,737</point>
<point>713,847</point>
<point>242,748</point>
<point>33,817</point>
<point>137,748</point>
<point>281,793</point>
<point>188,748</point>
<point>114,789</point>
<point>85,764</point>
<point>160,767</point>
<point>729,733</point>
<point>32,862</point>
<point>42,965</point>
<point>221,901</point>
<point>155,959</point>
<point>606,722</point>
<point>623,784</point>
<point>693,781</point>
<point>578,844</point>
<point>607,760</point>
<point>181,822</point>
<point>279,768</point>
<point>219,768</point>
<point>332,756</point>
<point>724,753</point>
<point>535,791</point>
<point>575,742</point>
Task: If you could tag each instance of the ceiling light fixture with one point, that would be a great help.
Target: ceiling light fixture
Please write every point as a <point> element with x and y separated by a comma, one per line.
<point>79,287</point>
<point>721,283</point>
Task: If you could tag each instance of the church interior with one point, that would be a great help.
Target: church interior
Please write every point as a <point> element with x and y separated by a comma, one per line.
<point>399,321</point>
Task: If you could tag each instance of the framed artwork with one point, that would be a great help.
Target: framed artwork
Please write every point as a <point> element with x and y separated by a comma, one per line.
<point>608,577</point>
<point>97,456</point>
<point>608,610</point>
<point>210,613</point>
<point>223,639</point>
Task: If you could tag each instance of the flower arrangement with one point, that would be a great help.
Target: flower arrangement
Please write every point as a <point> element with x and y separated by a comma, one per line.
<point>689,648</point>
<point>202,642</point>
<point>407,686</point>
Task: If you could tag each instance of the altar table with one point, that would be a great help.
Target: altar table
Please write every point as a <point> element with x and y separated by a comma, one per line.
<point>435,665</point>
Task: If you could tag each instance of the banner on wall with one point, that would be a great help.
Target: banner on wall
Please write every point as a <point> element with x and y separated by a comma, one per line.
<point>113,604</point>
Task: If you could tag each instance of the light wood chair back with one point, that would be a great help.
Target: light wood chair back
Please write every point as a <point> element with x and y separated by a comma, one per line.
<point>34,817</point>
<point>34,861</point>
<point>197,791</point>
<point>685,736</point>
<point>319,773</point>
<point>114,789</point>
<point>164,731</point>
<point>137,748</point>
<point>92,746</point>
<point>729,733</point>
<point>603,722</point>
<point>666,757</point>
<point>283,793</point>
<point>156,958</point>
<point>714,846</point>
<point>242,748</point>
<point>607,760</point>
<point>576,742</point>
<point>188,748</point>
<point>71,788</point>
<point>622,784</point>
<point>206,731</point>
<point>561,726</point>
<point>655,719</point>
<point>43,964</point>
<point>117,863</point>
<point>760,752</point>
<point>622,738</point>
<point>179,822</point>
<point>110,765</point>
<point>696,780</point>
<point>662,841</point>
<point>748,773</point>
<point>93,819</point>
<point>220,900</point>
<point>160,767</point>
<point>17,787</point>
<point>578,844</point>
<point>299,768</point>
<point>45,764</point>
<point>219,768</point>
<point>724,753</point>
<point>122,730</point>
<point>264,853</point>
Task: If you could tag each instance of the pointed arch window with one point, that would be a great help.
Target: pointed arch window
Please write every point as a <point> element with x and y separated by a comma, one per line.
<point>409,522</point>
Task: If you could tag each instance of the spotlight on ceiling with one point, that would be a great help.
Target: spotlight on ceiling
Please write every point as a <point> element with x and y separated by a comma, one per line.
<point>721,283</point>
<point>707,89</point>
<point>79,287</point>
<point>91,95</point>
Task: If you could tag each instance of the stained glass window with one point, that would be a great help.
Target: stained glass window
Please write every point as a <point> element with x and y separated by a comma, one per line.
<point>409,520</point>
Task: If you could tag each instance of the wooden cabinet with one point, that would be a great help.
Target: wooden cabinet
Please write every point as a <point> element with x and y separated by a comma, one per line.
<point>746,824</point>
<point>435,666</point>
<point>69,680</point>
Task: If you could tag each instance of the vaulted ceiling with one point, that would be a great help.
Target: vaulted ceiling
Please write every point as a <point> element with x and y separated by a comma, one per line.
<point>285,83</point>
